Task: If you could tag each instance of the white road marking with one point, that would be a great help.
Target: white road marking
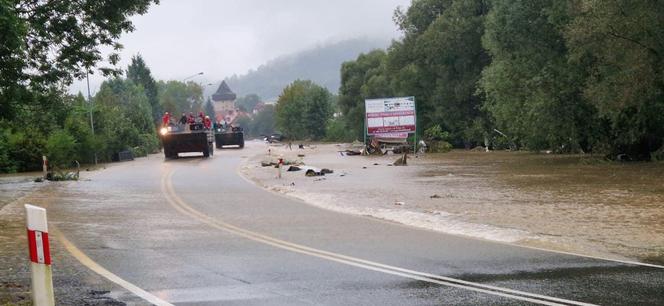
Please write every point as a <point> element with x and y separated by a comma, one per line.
<point>92,265</point>
<point>180,205</point>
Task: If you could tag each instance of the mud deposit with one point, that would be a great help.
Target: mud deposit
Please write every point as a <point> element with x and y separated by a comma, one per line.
<point>579,204</point>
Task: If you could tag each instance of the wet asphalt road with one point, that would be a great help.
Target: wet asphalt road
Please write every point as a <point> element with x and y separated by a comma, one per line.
<point>193,232</point>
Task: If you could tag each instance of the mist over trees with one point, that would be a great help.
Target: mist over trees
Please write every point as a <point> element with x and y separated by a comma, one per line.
<point>567,76</point>
<point>320,64</point>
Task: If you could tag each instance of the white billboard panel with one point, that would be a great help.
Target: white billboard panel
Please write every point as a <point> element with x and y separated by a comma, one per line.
<point>390,115</point>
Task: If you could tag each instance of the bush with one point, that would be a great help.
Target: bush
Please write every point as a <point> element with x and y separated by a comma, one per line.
<point>436,133</point>
<point>26,148</point>
<point>149,143</point>
<point>138,151</point>
<point>61,148</point>
<point>439,146</point>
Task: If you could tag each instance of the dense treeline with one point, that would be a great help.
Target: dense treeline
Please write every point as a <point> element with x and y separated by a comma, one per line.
<point>567,76</point>
<point>47,44</point>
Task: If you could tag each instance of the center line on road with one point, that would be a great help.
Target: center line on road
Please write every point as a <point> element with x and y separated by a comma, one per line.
<point>180,205</point>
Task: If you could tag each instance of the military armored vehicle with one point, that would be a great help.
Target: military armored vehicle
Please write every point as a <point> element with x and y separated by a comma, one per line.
<point>177,138</point>
<point>229,136</point>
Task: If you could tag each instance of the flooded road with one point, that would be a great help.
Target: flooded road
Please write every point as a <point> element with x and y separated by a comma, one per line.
<point>191,231</point>
<point>578,204</point>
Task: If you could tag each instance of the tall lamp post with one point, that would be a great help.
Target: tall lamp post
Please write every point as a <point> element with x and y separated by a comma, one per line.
<point>92,122</point>
<point>189,77</point>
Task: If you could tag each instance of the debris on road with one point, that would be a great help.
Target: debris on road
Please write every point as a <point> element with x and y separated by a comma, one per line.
<point>293,168</point>
<point>402,161</point>
<point>350,153</point>
<point>313,172</point>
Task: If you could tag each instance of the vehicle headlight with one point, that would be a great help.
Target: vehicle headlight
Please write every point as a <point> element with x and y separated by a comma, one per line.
<point>163,131</point>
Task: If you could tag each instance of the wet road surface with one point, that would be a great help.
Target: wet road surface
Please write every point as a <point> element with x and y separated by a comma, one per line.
<point>191,231</point>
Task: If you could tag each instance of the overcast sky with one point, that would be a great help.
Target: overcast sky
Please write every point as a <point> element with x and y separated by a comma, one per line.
<point>223,37</point>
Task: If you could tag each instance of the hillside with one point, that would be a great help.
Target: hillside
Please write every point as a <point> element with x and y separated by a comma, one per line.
<point>320,64</point>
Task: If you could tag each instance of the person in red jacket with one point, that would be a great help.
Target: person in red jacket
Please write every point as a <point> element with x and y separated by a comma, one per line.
<point>207,122</point>
<point>166,119</point>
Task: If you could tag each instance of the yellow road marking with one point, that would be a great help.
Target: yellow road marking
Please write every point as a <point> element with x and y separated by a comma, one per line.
<point>180,205</point>
<point>92,265</point>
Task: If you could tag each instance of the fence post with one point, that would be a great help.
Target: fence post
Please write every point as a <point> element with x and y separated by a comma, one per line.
<point>40,256</point>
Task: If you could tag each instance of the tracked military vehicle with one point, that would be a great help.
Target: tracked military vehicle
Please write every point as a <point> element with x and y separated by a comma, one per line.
<point>178,138</point>
<point>229,136</point>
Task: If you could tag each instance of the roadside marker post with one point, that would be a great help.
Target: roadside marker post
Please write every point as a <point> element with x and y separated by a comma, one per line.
<point>45,166</point>
<point>40,256</point>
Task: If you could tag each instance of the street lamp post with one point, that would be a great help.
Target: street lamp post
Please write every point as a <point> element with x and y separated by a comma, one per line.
<point>189,77</point>
<point>92,122</point>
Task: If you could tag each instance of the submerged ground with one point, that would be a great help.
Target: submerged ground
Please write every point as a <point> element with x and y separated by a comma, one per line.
<point>576,203</point>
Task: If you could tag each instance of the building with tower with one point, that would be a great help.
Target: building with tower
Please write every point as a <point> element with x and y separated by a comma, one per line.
<point>223,101</point>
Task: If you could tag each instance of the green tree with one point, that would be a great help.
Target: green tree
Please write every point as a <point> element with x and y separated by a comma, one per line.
<point>140,74</point>
<point>532,90</point>
<point>49,43</point>
<point>61,148</point>
<point>77,125</point>
<point>439,61</point>
<point>620,43</point>
<point>124,119</point>
<point>177,97</point>
<point>361,79</point>
<point>303,110</point>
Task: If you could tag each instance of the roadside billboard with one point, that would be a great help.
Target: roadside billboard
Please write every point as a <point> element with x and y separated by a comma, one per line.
<point>390,116</point>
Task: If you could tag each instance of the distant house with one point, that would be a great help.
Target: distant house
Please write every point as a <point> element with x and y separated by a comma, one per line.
<point>223,101</point>
<point>259,107</point>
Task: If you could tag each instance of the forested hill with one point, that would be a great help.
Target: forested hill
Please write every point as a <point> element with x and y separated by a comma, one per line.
<point>320,64</point>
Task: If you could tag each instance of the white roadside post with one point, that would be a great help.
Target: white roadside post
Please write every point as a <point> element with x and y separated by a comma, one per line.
<point>45,166</point>
<point>40,256</point>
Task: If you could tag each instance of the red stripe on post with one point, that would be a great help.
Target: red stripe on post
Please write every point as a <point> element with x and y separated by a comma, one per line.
<point>47,249</point>
<point>32,246</point>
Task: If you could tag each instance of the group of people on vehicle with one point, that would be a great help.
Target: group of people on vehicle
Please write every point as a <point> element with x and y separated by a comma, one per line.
<point>188,120</point>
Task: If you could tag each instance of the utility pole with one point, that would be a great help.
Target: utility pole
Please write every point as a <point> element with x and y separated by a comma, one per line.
<point>92,122</point>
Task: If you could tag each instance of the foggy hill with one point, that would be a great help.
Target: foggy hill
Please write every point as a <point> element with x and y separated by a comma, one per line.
<point>320,64</point>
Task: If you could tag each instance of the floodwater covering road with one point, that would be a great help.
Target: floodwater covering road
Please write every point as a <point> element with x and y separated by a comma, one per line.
<point>573,203</point>
<point>192,231</point>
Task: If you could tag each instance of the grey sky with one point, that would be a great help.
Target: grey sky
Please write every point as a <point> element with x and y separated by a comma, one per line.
<point>179,38</point>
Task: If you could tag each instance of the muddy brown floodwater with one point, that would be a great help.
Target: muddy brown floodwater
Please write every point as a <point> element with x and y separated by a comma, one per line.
<point>573,203</point>
<point>594,205</point>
